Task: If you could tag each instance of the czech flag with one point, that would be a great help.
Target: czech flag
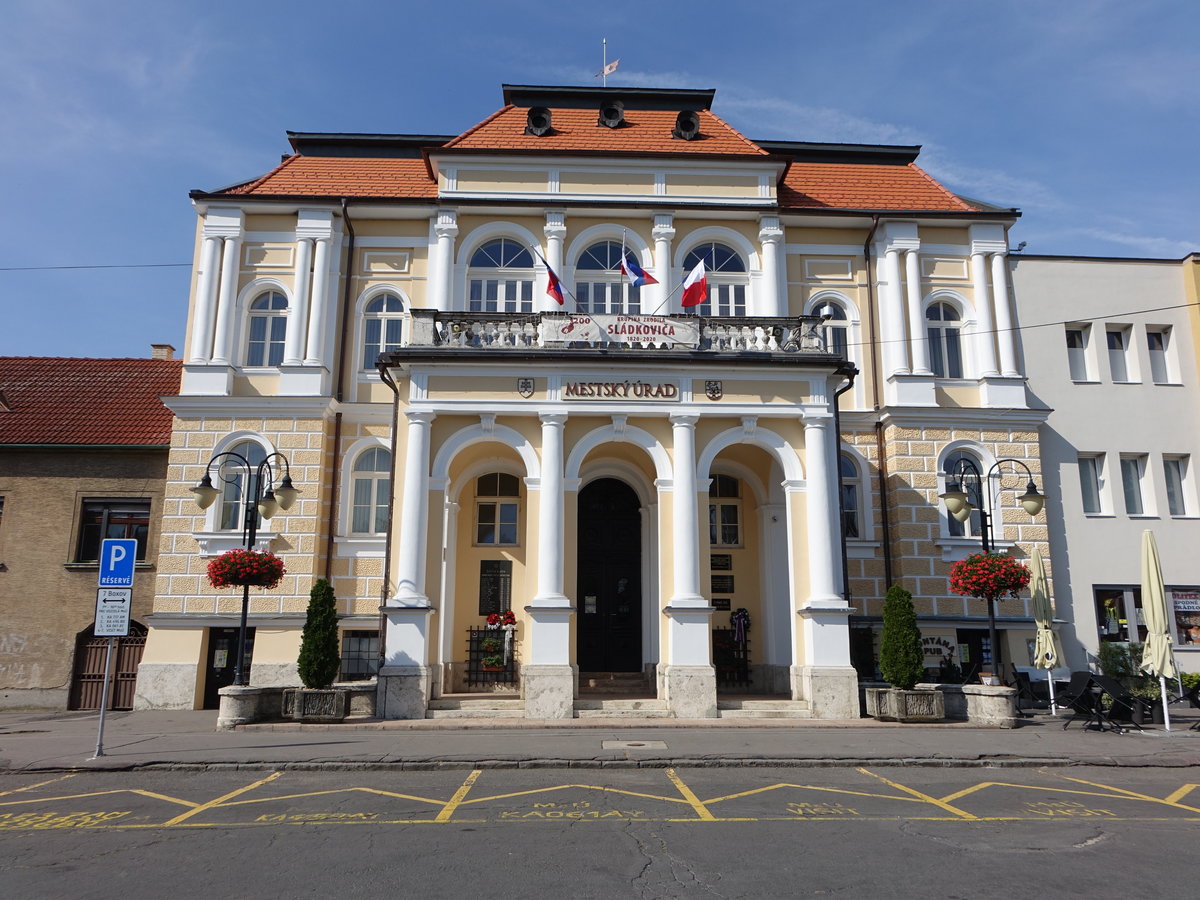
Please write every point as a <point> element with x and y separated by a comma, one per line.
<point>695,287</point>
<point>636,274</point>
<point>553,286</point>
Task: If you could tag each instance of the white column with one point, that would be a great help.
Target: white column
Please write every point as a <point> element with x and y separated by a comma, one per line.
<point>555,230</point>
<point>551,515</point>
<point>916,318</point>
<point>297,325</point>
<point>1006,335</point>
<point>985,343</point>
<point>206,299</point>
<point>663,234</point>
<point>414,513</point>
<point>227,301</point>
<point>685,514</point>
<point>774,292</point>
<point>319,315</point>
<point>441,273</point>
<point>821,507</point>
<point>894,357</point>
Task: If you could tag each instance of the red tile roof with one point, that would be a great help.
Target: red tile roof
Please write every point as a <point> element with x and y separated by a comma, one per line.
<point>862,186</point>
<point>330,176</point>
<point>82,402</point>
<point>575,131</point>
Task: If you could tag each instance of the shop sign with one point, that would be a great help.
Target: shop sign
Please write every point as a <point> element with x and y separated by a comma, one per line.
<point>936,649</point>
<point>628,330</point>
<point>620,390</point>
<point>1187,617</point>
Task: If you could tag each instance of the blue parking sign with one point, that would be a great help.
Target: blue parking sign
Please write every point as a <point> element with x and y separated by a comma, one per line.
<point>117,558</point>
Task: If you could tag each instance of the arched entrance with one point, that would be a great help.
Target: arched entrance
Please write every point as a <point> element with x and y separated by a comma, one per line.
<point>609,634</point>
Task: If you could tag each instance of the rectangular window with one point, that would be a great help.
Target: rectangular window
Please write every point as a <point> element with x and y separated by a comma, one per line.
<point>1077,344</point>
<point>1132,469</point>
<point>360,655</point>
<point>1158,345</point>
<point>102,519</point>
<point>1175,472</point>
<point>1118,360</point>
<point>496,523</point>
<point>1090,473</point>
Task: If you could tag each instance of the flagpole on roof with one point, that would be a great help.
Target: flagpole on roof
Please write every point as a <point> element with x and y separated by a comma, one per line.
<point>604,67</point>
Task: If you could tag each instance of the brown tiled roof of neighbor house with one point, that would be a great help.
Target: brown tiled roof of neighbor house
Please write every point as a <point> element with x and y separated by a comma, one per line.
<point>337,176</point>
<point>86,402</point>
<point>577,131</point>
<point>865,186</point>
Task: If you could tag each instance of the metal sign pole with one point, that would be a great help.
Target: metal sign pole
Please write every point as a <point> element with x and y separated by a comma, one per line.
<point>104,699</point>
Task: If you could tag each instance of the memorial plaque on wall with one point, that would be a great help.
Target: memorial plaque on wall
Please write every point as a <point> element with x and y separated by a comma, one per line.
<point>495,586</point>
<point>721,562</point>
<point>722,584</point>
<point>722,603</point>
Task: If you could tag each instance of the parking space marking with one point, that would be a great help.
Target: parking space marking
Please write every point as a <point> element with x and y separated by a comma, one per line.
<point>1133,794</point>
<point>1175,796</point>
<point>30,787</point>
<point>459,796</point>
<point>697,806</point>
<point>182,817</point>
<point>954,810</point>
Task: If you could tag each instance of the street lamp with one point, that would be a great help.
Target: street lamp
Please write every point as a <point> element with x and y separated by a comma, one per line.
<point>259,502</point>
<point>959,505</point>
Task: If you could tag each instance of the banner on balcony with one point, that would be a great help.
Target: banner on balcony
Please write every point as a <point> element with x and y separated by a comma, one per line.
<point>631,330</point>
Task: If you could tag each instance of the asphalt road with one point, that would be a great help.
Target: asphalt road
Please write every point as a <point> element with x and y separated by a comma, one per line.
<point>703,832</point>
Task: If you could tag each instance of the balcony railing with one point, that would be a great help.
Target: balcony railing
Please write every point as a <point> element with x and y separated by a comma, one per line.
<point>509,331</point>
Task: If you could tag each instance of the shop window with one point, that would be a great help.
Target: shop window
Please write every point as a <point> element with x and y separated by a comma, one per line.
<point>600,286</point>
<point>371,485</point>
<point>383,325</point>
<point>500,278</point>
<point>497,506</point>
<point>1091,483</point>
<point>101,519</point>
<point>1175,471</point>
<point>945,343</point>
<point>233,477</point>
<point>851,518</point>
<point>360,655</point>
<point>268,330</point>
<point>1119,614</point>
<point>725,273</point>
<point>724,512</point>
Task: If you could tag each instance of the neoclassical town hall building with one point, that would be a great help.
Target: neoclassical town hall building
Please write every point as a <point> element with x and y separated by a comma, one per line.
<point>697,501</point>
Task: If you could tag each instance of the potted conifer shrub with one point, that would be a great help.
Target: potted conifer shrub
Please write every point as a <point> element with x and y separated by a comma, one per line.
<point>902,664</point>
<point>319,661</point>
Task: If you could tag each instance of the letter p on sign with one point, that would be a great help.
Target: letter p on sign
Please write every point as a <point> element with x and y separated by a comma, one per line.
<point>117,559</point>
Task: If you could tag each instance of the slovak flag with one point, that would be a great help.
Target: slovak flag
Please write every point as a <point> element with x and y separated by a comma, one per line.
<point>553,286</point>
<point>695,287</point>
<point>636,274</point>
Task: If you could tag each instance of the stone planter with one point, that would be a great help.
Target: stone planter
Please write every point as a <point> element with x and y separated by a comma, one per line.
<point>244,705</point>
<point>316,706</point>
<point>895,705</point>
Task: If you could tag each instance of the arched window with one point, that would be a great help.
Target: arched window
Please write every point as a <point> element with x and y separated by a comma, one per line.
<point>724,512</point>
<point>233,477</point>
<point>501,278</point>
<point>974,491</point>
<point>382,327</point>
<point>834,330</point>
<point>600,287</point>
<point>945,349</point>
<point>268,328</point>
<point>371,485</point>
<point>851,504</point>
<point>725,273</point>
<point>497,505</point>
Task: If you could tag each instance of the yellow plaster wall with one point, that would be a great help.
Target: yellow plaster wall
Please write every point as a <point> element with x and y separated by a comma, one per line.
<point>606,183</point>
<point>712,185</point>
<point>276,645</point>
<point>499,181</point>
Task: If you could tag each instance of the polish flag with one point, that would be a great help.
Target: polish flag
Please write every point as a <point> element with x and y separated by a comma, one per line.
<point>636,274</point>
<point>695,287</point>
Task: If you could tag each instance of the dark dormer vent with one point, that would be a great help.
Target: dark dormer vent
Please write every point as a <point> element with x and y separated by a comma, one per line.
<point>687,125</point>
<point>612,114</point>
<point>537,122</point>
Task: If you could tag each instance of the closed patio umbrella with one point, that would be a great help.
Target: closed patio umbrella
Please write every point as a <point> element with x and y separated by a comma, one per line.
<point>1045,649</point>
<point>1158,657</point>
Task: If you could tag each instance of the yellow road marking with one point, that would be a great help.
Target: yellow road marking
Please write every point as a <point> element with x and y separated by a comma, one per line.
<point>690,796</point>
<point>459,796</point>
<point>364,790</point>
<point>1027,787</point>
<point>211,804</point>
<point>928,799</point>
<point>1181,793</point>
<point>585,787</point>
<point>813,787</point>
<point>1134,794</point>
<point>30,787</point>
<point>151,794</point>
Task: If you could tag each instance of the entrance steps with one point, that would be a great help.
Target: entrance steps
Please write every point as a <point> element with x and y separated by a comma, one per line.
<point>620,708</point>
<point>494,707</point>
<point>627,683</point>
<point>746,708</point>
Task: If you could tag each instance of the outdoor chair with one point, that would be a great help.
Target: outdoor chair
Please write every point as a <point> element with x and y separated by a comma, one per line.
<point>1024,691</point>
<point>1084,697</point>
<point>1123,703</point>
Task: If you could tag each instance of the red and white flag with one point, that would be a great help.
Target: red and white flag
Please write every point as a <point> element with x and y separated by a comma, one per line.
<point>695,287</point>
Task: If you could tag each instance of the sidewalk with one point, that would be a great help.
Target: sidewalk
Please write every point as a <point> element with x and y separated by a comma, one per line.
<point>40,741</point>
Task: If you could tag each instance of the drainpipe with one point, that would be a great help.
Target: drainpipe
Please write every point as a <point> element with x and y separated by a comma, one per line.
<point>338,395</point>
<point>880,458</point>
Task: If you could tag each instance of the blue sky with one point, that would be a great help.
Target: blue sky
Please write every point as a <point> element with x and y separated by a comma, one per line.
<point>1080,112</point>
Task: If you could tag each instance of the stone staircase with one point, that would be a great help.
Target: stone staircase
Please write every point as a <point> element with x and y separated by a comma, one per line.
<point>766,708</point>
<point>497,706</point>
<point>620,708</point>
<point>611,697</point>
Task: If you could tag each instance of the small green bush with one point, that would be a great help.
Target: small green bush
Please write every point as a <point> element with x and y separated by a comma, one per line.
<point>319,659</point>
<point>901,659</point>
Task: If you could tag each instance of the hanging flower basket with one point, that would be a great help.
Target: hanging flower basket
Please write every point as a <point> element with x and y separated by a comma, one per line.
<point>989,576</point>
<point>236,568</point>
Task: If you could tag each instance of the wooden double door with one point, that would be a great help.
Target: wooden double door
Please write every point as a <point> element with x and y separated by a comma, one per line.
<point>609,598</point>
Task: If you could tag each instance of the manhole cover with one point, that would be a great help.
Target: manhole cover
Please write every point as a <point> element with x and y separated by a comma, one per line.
<point>634,745</point>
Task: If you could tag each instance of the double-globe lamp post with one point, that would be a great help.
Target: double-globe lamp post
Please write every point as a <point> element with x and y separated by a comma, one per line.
<point>959,505</point>
<point>258,502</point>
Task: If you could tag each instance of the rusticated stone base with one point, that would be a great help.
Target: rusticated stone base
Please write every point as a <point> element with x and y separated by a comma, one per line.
<point>831,691</point>
<point>691,691</point>
<point>995,706</point>
<point>318,706</point>
<point>403,692</point>
<point>548,691</point>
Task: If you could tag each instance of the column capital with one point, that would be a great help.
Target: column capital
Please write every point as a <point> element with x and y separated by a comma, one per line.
<point>446,223</point>
<point>769,229</point>
<point>556,223</point>
<point>553,418</point>
<point>689,419</point>
<point>420,416</point>
<point>664,228</point>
